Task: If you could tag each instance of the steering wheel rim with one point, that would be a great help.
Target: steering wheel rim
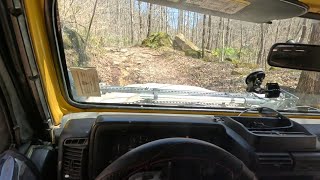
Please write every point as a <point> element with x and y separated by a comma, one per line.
<point>155,151</point>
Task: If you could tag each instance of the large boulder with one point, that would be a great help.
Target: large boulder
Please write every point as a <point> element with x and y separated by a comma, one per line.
<point>156,40</point>
<point>182,44</point>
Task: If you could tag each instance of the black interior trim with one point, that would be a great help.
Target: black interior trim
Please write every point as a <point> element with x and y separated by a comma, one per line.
<point>12,49</point>
<point>276,152</point>
<point>311,15</point>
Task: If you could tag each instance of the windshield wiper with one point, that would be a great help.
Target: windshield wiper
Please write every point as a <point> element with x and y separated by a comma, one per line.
<point>303,109</point>
<point>163,91</point>
<point>197,97</point>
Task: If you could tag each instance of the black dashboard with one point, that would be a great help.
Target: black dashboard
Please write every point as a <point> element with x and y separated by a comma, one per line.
<point>270,147</point>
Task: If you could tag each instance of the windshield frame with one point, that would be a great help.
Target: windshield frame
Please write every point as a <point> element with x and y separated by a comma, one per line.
<point>52,23</point>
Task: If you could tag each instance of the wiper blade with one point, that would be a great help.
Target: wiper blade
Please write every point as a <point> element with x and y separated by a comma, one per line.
<point>199,98</point>
<point>156,91</point>
<point>304,109</point>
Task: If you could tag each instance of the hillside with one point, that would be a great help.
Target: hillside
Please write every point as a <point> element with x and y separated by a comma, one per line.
<point>136,65</point>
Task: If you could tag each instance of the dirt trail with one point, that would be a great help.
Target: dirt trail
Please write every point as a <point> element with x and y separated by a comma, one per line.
<point>137,65</point>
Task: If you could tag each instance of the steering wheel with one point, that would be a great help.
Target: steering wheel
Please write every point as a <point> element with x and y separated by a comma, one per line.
<point>177,158</point>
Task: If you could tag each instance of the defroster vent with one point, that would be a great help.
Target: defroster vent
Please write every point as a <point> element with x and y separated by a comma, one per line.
<point>276,161</point>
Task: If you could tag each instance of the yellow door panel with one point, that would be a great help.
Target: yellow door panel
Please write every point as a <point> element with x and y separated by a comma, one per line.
<point>314,5</point>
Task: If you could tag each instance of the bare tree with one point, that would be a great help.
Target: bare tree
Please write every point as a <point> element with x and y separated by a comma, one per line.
<point>193,27</point>
<point>241,41</point>
<point>166,18</point>
<point>209,33</point>
<point>180,21</point>
<point>227,38</point>
<point>260,54</point>
<point>113,23</point>
<point>131,20</point>
<point>140,19</point>
<point>277,32</point>
<point>220,31</point>
<point>203,34</point>
<point>149,20</point>
<point>303,31</point>
<point>90,24</point>
<point>223,42</point>
<point>289,30</point>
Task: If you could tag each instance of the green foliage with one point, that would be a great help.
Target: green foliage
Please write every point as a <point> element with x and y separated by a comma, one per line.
<point>233,55</point>
<point>235,62</point>
<point>157,40</point>
<point>229,52</point>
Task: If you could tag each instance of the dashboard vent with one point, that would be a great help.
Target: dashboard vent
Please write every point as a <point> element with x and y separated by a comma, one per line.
<point>279,161</point>
<point>74,150</point>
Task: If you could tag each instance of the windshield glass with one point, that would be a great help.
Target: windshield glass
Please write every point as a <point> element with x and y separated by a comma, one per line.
<point>133,52</point>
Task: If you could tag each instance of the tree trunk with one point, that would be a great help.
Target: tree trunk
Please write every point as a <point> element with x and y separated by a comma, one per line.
<point>118,15</point>
<point>193,27</point>
<point>90,24</point>
<point>277,33</point>
<point>149,20</point>
<point>309,82</point>
<point>188,25</point>
<point>180,20</point>
<point>203,34</point>
<point>241,41</point>
<point>223,41</point>
<point>227,38</point>
<point>183,23</point>
<point>219,33</point>
<point>166,18</point>
<point>303,31</point>
<point>260,54</point>
<point>289,30</point>
<point>209,33</point>
<point>140,20</point>
<point>197,29</point>
<point>131,20</point>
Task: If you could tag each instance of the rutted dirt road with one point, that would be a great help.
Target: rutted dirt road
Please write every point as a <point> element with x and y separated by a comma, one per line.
<point>137,65</point>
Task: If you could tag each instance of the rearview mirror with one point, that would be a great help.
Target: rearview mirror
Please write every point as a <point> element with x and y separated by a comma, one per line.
<point>295,56</point>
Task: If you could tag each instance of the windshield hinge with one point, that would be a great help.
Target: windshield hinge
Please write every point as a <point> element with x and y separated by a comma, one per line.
<point>15,11</point>
<point>34,77</point>
<point>49,129</point>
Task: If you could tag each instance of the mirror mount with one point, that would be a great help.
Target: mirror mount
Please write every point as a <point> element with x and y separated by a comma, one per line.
<point>254,81</point>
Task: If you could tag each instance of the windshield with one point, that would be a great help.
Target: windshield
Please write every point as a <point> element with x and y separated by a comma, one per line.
<point>133,52</point>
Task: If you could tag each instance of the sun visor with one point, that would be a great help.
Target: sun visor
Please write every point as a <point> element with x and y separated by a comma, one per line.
<point>258,11</point>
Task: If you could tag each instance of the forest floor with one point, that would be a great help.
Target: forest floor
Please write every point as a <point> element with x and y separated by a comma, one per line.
<point>138,65</point>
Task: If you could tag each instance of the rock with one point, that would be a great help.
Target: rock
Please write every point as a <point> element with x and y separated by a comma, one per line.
<point>116,62</point>
<point>228,59</point>
<point>123,50</point>
<point>157,40</point>
<point>272,68</point>
<point>235,73</point>
<point>192,53</point>
<point>182,44</point>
